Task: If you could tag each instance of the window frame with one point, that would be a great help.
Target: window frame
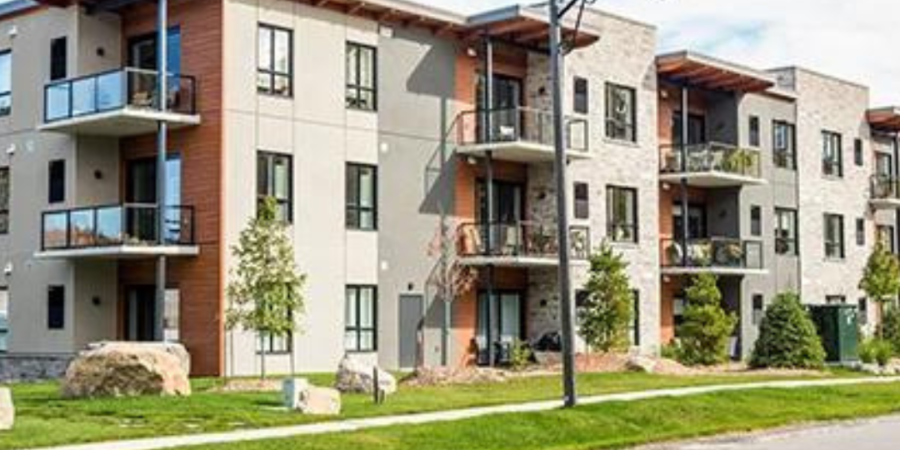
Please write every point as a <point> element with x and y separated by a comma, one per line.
<point>356,210</point>
<point>270,157</point>
<point>5,174</point>
<point>611,225</point>
<point>581,207</point>
<point>56,181</point>
<point>830,245</point>
<point>757,308</point>
<point>859,157</point>
<point>357,328</point>
<point>788,244</point>
<point>581,97</point>
<point>754,134</point>
<point>271,72</point>
<point>356,85</point>
<point>832,154</point>
<point>630,126</point>
<point>860,226</point>
<point>756,221</point>
<point>56,321</point>
<point>784,157</point>
<point>59,62</point>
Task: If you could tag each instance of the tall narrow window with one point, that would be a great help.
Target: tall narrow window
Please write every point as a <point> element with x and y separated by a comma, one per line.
<point>783,148</point>
<point>56,307</point>
<point>362,197</point>
<point>863,311</point>
<point>858,154</point>
<point>636,319</point>
<point>274,178</point>
<point>5,83</point>
<point>785,231</point>
<point>886,236</point>
<point>621,115</point>
<point>4,200</point>
<point>580,102</point>
<point>832,164</point>
<point>275,61</point>
<point>582,201</point>
<point>834,236</point>
<point>860,231</point>
<point>621,214</point>
<point>58,59</point>
<point>759,308</point>
<point>56,186</point>
<point>754,131</point>
<point>361,319</point>
<point>755,220</point>
<point>362,77</point>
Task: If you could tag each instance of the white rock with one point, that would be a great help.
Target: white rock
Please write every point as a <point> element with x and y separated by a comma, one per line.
<point>358,377</point>
<point>638,363</point>
<point>320,401</point>
<point>7,409</point>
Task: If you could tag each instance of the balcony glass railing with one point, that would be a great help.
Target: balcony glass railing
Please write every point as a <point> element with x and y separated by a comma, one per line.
<point>108,91</point>
<point>114,225</point>
<point>715,253</point>
<point>885,187</point>
<point>711,157</point>
<point>523,239</point>
<point>520,124</point>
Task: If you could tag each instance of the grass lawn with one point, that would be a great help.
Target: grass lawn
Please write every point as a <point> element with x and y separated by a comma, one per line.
<point>613,425</point>
<point>44,419</point>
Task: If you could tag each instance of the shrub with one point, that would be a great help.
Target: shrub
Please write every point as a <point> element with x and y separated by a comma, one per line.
<point>881,278</point>
<point>671,351</point>
<point>607,310</point>
<point>707,327</point>
<point>890,328</point>
<point>788,337</point>
<point>867,351</point>
<point>519,355</point>
<point>883,352</point>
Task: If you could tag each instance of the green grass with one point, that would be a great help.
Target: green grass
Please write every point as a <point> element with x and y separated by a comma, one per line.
<point>44,419</point>
<point>613,425</point>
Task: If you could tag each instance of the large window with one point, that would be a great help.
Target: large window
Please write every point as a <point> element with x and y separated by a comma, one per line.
<point>834,236</point>
<point>832,158</point>
<point>5,83</point>
<point>360,319</point>
<point>4,200</point>
<point>783,145</point>
<point>581,96</point>
<point>274,178</point>
<point>274,61</point>
<point>362,197</point>
<point>621,114</point>
<point>56,181</point>
<point>362,77</point>
<point>56,307</point>
<point>785,231</point>
<point>621,214</point>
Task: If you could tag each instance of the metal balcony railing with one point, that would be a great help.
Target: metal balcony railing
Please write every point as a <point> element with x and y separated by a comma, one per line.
<point>533,126</point>
<point>522,239</point>
<point>115,225</point>
<point>128,87</point>
<point>710,157</point>
<point>884,187</point>
<point>713,253</point>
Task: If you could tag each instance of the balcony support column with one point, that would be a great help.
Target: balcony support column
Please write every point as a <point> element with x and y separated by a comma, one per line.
<point>487,108</point>
<point>685,202</point>
<point>161,149</point>
<point>895,190</point>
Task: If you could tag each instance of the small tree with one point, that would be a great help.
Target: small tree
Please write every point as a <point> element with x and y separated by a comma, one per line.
<point>889,329</point>
<point>706,326</point>
<point>266,290</point>
<point>881,278</point>
<point>788,337</point>
<point>607,310</point>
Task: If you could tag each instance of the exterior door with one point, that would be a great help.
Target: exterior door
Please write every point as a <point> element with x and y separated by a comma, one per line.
<point>140,189</point>
<point>507,323</point>
<point>140,313</point>
<point>411,319</point>
<point>507,97</point>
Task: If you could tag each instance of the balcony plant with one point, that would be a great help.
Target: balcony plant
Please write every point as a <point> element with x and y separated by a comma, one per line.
<point>739,161</point>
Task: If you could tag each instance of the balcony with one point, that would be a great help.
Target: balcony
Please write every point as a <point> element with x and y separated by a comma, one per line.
<point>720,256</point>
<point>118,103</point>
<point>521,135</point>
<point>523,244</point>
<point>885,192</point>
<point>116,231</point>
<point>711,165</point>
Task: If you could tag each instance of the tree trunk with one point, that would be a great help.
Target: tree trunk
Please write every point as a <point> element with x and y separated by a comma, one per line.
<point>262,356</point>
<point>293,359</point>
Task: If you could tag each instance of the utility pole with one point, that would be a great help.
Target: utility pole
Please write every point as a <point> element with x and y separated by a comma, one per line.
<point>162,53</point>
<point>559,139</point>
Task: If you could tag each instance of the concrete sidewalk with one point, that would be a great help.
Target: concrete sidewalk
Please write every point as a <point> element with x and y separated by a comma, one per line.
<point>343,426</point>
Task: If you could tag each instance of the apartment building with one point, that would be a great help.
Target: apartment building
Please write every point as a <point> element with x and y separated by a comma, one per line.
<point>378,125</point>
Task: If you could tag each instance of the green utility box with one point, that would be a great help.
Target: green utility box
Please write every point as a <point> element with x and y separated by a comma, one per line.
<point>838,327</point>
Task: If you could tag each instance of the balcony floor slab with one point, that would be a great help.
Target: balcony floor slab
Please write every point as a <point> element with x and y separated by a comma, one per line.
<point>885,203</point>
<point>121,252</point>
<point>720,271</point>
<point>519,151</point>
<point>121,122</point>
<point>712,179</point>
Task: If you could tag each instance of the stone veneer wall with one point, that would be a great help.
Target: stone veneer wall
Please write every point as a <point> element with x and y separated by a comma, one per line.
<point>26,368</point>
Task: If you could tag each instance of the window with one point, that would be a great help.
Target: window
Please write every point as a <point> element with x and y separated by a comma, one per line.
<point>759,308</point>
<point>362,77</point>
<point>362,197</point>
<point>275,61</point>
<point>360,319</point>
<point>56,307</point>
<point>785,231</point>
<point>58,59</point>
<point>582,201</point>
<point>835,299</point>
<point>860,231</point>
<point>4,200</point>
<point>580,102</point>
<point>885,234</point>
<point>858,157</point>
<point>621,214</point>
<point>863,311</point>
<point>5,83</point>
<point>834,236</point>
<point>636,320</point>
<point>621,113</point>
<point>274,343</point>
<point>754,131</point>
<point>4,318</point>
<point>274,178</point>
<point>832,164</point>
<point>56,187</point>
<point>755,220</point>
<point>784,143</point>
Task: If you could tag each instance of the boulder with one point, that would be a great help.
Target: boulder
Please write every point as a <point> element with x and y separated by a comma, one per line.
<point>174,349</point>
<point>643,364</point>
<point>358,377</point>
<point>117,369</point>
<point>7,409</point>
<point>320,401</point>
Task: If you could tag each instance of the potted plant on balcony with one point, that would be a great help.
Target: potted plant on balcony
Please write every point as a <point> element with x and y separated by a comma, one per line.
<point>739,161</point>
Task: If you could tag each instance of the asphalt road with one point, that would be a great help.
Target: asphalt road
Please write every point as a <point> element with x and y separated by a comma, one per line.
<point>877,434</point>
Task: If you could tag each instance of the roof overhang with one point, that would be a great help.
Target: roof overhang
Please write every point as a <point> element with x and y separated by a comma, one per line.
<point>529,26</point>
<point>710,73</point>
<point>884,119</point>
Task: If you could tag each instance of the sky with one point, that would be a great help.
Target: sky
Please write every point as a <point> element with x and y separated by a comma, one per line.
<point>855,40</point>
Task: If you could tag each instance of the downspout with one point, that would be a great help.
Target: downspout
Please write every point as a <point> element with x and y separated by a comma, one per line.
<point>895,190</point>
<point>685,129</point>
<point>488,111</point>
<point>161,145</point>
